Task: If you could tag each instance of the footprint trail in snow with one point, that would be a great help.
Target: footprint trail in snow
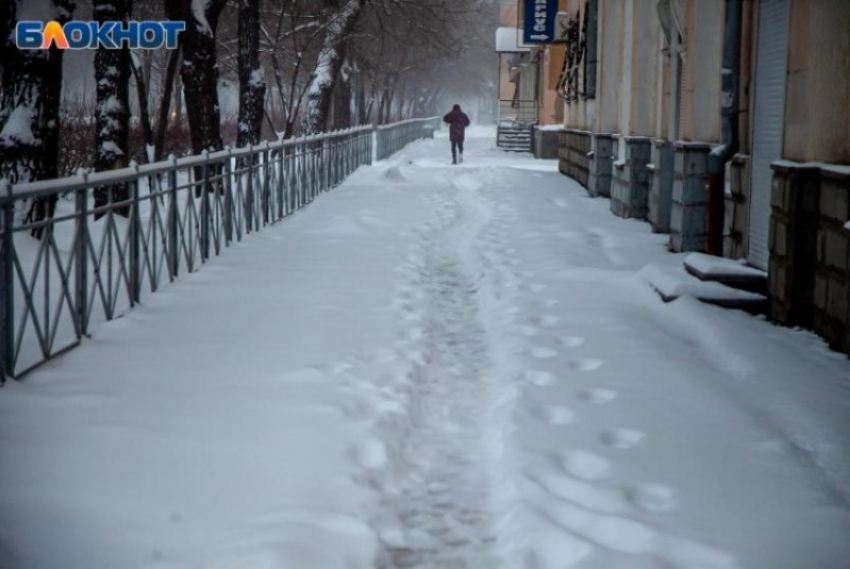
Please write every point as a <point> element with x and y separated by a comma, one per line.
<point>436,506</point>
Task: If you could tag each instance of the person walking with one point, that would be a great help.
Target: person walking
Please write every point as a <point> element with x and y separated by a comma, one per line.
<point>457,121</point>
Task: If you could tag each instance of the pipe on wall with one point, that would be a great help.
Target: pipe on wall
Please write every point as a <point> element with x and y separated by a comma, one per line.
<point>730,102</point>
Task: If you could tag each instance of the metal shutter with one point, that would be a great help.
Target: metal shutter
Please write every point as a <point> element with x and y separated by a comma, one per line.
<point>768,119</point>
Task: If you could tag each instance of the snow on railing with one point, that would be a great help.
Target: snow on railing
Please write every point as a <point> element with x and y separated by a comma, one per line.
<point>116,236</point>
<point>393,137</point>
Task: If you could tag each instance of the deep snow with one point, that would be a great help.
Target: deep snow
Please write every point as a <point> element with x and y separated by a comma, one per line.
<point>432,366</point>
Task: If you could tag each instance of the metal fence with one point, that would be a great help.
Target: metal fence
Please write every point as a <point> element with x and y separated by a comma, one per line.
<point>393,137</point>
<point>94,262</point>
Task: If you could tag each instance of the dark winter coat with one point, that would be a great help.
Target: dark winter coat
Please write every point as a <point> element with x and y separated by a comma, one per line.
<point>457,121</point>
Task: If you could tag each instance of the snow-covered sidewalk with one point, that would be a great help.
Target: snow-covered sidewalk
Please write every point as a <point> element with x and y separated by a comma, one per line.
<point>433,367</point>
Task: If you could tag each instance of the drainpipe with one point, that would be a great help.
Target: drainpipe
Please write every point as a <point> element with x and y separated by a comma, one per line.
<point>731,79</point>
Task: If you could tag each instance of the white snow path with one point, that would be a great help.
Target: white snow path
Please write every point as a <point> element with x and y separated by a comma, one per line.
<point>432,367</point>
<point>440,499</point>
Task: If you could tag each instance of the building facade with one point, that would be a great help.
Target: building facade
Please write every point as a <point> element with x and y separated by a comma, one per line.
<point>725,123</point>
<point>528,85</point>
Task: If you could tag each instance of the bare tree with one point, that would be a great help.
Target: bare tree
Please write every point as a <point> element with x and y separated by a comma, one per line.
<point>343,18</point>
<point>165,101</point>
<point>112,114</point>
<point>252,85</point>
<point>200,69</point>
<point>29,102</point>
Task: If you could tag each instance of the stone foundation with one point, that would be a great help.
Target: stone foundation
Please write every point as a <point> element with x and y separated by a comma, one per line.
<point>689,214</point>
<point>601,165</point>
<point>661,186</point>
<point>545,143</point>
<point>573,155</point>
<point>737,209</point>
<point>810,249</point>
<point>630,182</point>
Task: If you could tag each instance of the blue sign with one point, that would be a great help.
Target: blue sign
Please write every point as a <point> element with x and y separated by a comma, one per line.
<point>540,16</point>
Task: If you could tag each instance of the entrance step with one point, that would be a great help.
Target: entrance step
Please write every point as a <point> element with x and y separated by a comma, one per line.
<point>675,282</point>
<point>516,138</point>
<point>726,271</point>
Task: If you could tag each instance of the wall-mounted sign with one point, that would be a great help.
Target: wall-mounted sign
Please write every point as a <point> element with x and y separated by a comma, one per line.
<point>539,24</point>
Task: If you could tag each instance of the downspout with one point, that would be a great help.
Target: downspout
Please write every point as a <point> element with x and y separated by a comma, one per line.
<point>731,80</point>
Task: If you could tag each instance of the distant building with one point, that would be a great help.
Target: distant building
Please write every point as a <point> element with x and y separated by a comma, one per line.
<point>528,81</point>
<point>725,123</point>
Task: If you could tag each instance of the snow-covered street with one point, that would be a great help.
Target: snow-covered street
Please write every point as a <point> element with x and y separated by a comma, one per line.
<point>432,366</point>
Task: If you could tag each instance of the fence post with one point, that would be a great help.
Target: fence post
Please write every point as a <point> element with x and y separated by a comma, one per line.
<point>228,198</point>
<point>249,190</point>
<point>173,222</point>
<point>135,244</point>
<point>7,284</point>
<point>266,193</point>
<point>205,209</point>
<point>280,182</point>
<point>82,260</point>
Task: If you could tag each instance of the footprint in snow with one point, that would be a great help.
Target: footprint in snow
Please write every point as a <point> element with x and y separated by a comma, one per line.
<point>547,321</point>
<point>622,439</point>
<point>585,465</point>
<point>554,415</point>
<point>598,396</point>
<point>652,498</point>
<point>585,365</point>
<point>542,352</point>
<point>538,378</point>
<point>536,288</point>
<point>526,330</point>
<point>572,341</point>
<point>369,453</point>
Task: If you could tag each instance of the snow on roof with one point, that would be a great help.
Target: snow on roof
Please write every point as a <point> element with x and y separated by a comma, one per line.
<point>507,41</point>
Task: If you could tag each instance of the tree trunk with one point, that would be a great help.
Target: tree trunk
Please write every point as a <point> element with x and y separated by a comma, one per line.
<point>330,61</point>
<point>165,102</point>
<point>252,85</point>
<point>112,114</point>
<point>200,69</point>
<point>362,114</point>
<point>342,100</point>
<point>143,96</point>
<point>29,108</point>
<point>176,87</point>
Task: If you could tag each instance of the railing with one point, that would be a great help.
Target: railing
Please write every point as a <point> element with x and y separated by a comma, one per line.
<point>94,262</point>
<point>519,113</point>
<point>393,137</point>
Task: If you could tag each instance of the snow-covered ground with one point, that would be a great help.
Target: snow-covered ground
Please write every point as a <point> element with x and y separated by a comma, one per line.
<point>433,367</point>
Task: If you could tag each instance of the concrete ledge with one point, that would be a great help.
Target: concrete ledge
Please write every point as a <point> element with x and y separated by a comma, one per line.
<point>726,271</point>
<point>630,183</point>
<point>689,214</point>
<point>674,283</point>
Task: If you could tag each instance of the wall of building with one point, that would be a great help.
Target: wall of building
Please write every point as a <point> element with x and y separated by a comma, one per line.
<point>551,105</point>
<point>704,53</point>
<point>610,67</point>
<point>508,10</point>
<point>817,112</point>
<point>644,89</point>
<point>581,115</point>
<point>745,90</point>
